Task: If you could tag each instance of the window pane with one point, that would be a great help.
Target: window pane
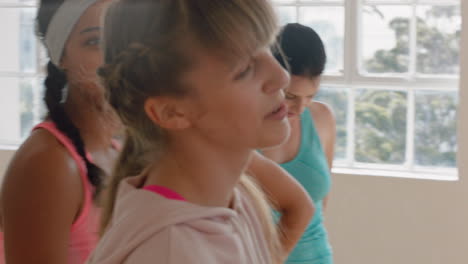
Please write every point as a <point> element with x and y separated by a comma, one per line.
<point>286,14</point>
<point>21,107</point>
<point>385,43</point>
<point>328,21</point>
<point>438,39</point>
<point>435,128</point>
<point>18,46</point>
<point>380,132</point>
<point>337,99</point>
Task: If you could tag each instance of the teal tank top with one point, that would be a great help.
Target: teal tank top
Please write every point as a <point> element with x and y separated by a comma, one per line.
<point>310,168</point>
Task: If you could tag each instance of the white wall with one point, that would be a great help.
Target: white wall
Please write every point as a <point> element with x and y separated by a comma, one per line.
<point>10,62</point>
<point>5,156</point>
<point>376,220</point>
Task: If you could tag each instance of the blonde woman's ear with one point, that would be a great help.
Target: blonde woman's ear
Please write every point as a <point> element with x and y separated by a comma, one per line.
<point>167,113</point>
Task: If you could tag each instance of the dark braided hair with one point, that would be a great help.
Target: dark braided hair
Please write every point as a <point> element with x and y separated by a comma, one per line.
<point>55,83</point>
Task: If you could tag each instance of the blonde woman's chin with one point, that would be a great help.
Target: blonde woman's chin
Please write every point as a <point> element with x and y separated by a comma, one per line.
<point>276,135</point>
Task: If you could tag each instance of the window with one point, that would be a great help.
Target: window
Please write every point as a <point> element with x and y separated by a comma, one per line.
<point>20,73</point>
<point>391,79</point>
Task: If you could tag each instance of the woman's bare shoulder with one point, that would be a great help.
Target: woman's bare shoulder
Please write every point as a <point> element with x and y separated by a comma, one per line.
<point>41,168</point>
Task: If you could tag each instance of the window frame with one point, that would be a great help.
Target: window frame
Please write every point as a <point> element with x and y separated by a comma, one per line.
<point>9,145</point>
<point>353,78</point>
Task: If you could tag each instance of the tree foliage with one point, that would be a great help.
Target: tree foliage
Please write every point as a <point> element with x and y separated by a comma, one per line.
<point>381,115</point>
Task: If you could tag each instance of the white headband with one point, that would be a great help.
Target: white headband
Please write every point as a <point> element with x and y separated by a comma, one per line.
<point>62,25</point>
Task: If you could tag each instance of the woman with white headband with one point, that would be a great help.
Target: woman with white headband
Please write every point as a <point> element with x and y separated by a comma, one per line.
<point>48,213</point>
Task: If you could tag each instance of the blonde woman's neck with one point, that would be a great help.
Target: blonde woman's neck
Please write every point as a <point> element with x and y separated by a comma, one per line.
<point>202,175</point>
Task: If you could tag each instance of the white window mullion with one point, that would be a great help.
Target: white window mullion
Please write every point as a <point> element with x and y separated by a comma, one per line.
<point>351,40</point>
<point>351,126</point>
<point>413,42</point>
<point>410,131</point>
<point>351,71</point>
<point>410,100</point>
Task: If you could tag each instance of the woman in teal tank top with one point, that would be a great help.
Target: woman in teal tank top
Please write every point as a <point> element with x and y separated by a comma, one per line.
<point>308,153</point>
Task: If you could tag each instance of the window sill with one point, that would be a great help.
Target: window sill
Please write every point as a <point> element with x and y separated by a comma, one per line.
<point>435,174</point>
<point>9,148</point>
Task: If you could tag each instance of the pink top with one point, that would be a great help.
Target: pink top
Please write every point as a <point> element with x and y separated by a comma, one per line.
<point>149,228</point>
<point>165,192</point>
<point>84,231</point>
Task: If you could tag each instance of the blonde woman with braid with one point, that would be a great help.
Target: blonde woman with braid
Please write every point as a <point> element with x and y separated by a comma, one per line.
<point>50,198</point>
<point>197,89</point>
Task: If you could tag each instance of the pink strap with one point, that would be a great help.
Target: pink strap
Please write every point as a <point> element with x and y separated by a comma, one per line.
<point>165,192</point>
<point>65,141</point>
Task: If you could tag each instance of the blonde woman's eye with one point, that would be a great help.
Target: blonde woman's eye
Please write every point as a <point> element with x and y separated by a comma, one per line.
<point>244,73</point>
<point>290,97</point>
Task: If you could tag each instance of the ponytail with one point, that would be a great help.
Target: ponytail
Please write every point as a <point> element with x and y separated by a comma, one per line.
<point>131,162</point>
<point>263,209</point>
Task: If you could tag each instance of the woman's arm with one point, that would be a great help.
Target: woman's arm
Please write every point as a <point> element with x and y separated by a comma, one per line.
<point>41,196</point>
<point>288,196</point>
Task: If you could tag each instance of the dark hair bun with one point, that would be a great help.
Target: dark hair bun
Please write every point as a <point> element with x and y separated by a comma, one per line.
<point>303,49</point>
